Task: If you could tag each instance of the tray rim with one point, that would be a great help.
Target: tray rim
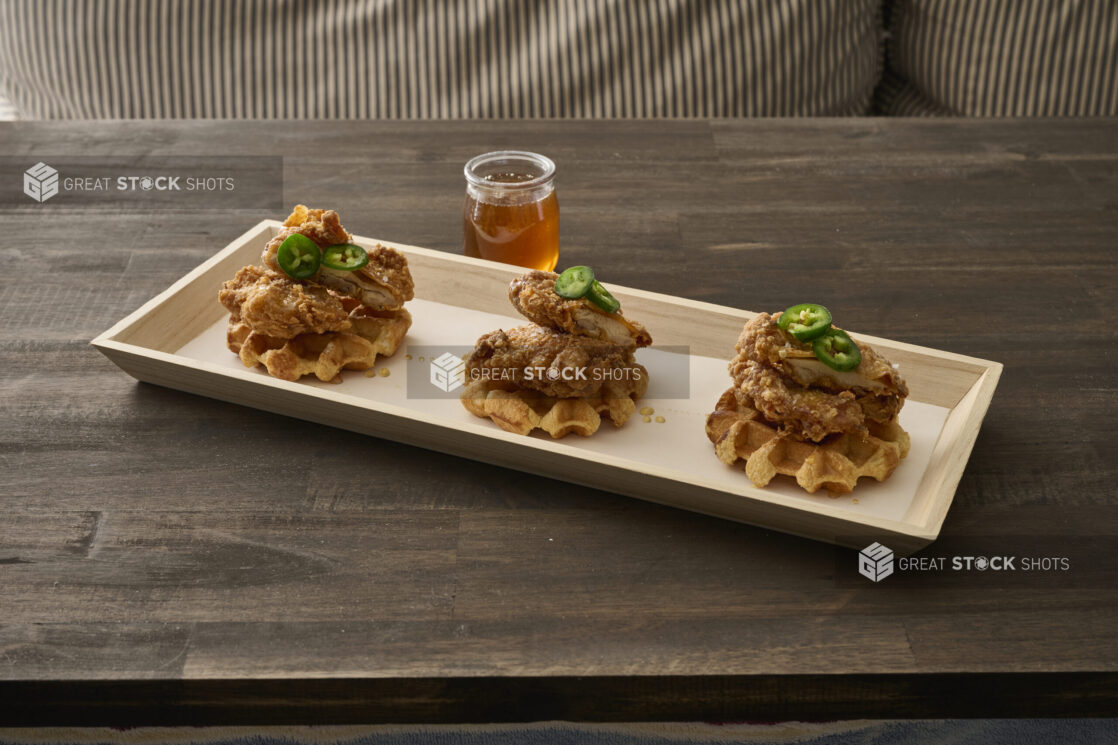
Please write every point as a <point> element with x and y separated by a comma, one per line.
<point>921,534</point>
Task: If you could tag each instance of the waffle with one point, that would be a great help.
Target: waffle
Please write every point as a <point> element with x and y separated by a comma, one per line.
<point>835,464</point>
<point>321,355</point>
<point>520,411</point>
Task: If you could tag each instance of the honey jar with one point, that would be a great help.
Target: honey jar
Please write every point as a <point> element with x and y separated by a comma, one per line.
<point>511,213</point>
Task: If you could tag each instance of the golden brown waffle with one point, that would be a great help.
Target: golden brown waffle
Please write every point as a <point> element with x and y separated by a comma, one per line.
<point>321,355</point>
<point>835,464</point>
<point>521,410</point>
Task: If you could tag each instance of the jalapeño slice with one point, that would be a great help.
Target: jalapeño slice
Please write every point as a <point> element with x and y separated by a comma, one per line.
<point>600,296</point>
<point>837,350</point>
<point>805,321</point>
<point>345,256</point>
<point>298,256</point>
<point>574,282</point>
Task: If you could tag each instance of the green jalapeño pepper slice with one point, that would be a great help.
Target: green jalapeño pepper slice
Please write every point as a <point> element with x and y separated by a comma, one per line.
<point>806,321</point>
<point>837,350</point>
<point>345,256</point>
<point>600,296</point>
<point>298,256</point>
<point>574,282</point>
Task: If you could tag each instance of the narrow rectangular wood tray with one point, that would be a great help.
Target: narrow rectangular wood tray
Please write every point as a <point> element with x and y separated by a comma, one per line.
<point>175,340</point>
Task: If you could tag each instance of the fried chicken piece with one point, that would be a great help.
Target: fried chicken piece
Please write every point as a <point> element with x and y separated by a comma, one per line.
<point>804,413</point>
<point>385,283</point>
<point>556,364</point>
<point>534,296</point>
<point>763,341</point>
<point>324,227</point>
<point>781,377</point>
<point>275,305</point>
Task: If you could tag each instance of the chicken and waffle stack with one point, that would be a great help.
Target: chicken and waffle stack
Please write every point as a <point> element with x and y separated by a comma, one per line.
<point>319,304</point>
<point>808,402</point>
<point>568,369</point>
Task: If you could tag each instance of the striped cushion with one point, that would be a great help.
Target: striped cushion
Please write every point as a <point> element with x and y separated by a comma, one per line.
<point>1001,58</point>
<point>7,111</point>
<point>435,59</point>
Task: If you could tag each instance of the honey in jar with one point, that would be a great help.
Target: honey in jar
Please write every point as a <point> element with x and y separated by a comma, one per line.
<point>511,213</point>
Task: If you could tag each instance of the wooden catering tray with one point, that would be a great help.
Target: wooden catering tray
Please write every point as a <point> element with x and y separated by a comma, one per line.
<point>178,340</point>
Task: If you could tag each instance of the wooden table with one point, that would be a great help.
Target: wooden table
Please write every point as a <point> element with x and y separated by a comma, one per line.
<point>162,561</point>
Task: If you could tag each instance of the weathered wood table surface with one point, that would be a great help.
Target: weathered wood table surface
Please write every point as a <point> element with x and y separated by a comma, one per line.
<point>163,560</point>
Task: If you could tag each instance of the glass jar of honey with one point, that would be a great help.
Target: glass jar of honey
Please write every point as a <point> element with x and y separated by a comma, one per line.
<point>511,213</point>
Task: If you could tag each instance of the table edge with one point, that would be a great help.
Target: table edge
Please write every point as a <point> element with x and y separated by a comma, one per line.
<point>719,698</point>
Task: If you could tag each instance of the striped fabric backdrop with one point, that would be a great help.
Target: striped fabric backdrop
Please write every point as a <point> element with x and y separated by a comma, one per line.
<point>405,59</point>
<point>1001,58</point>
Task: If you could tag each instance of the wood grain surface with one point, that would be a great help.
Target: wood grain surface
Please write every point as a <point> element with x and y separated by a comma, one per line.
<point>163,557</point>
